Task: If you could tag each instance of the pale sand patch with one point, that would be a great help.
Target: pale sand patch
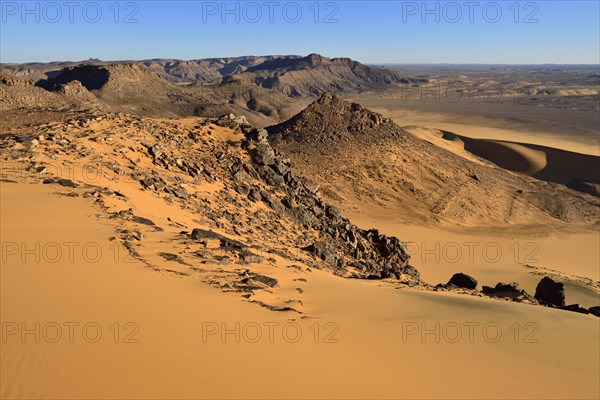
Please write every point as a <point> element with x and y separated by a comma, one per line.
<point>370,359</point>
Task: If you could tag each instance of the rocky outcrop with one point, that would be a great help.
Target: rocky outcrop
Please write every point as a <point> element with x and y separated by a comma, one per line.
<point>332,120</point>
<point>342,245</point>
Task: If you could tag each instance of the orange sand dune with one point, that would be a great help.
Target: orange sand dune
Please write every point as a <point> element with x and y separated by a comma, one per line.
<point>541,162</point>
<point>372,340</point>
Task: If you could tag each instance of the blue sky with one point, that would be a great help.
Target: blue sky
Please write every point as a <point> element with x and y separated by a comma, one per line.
<point>508,32</point>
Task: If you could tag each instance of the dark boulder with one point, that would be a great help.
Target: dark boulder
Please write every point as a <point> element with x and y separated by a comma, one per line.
<point>463,281</point>
<point>61,182</point>
<point>203,234</point>
<point>594,311</point>
<point>320,250</point>
<point>264,154</point>
<point>550,292</point>
<point>276,205</point>
<point>411,272</point>
<point>266,280</point>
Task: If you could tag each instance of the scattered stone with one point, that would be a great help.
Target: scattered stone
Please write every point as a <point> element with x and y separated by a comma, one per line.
<point>261,134</point>
<point>181,193</point>
<point>173,257</point>
<point>202,234</point>
<point>271,282</point>
<point>142,220</point>
<point>241,176</point>
<point>61,182</point>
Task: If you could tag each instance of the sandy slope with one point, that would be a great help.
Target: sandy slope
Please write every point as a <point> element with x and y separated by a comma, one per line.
<point>170,360</point>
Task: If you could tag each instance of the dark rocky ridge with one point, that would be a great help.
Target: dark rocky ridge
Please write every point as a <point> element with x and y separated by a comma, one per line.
<point>343,245</point>
<point>330,119</point>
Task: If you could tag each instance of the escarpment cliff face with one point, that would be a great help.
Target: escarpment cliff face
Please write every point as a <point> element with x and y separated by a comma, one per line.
<point>314,75</point>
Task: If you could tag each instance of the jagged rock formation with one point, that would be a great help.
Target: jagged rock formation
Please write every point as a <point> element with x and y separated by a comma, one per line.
<point>178,71</point>
<point>265,89</point>
<point>463,281</point>
<point>259,202</point>
<point>507,290</point>
<point>342,244</point>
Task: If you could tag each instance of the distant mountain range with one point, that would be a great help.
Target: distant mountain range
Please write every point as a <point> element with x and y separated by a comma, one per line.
<point>213,70</point>
<point>266,89</point>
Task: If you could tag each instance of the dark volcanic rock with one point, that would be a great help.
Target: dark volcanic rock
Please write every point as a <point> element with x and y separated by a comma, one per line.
<point>550,292</point>
<point>264,154</point>
<point>411,272</point>
<point>254,195</point>
<point>332,120</point>
<point>575,308</point>
<point>463,281</point>
<point>508,290</point>
<point>594,311</point>
<point>339,243</point>
<point>142,220</point>
<point>271,282</point>
<point>61,182</point>
<point>202,234</point>
<point>320,250</point>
